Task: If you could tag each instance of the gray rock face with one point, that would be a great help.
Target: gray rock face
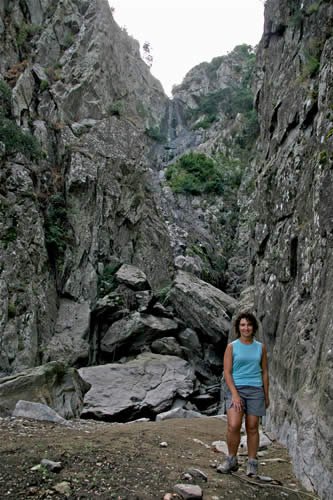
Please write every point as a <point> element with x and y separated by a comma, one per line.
<point>69,343</point>
<point>291,249</point>
<point>59,387</point>
<point>88,99</point>
<point>145,386</point>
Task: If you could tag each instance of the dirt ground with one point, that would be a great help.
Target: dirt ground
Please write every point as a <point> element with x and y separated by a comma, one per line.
<point>127,462</point>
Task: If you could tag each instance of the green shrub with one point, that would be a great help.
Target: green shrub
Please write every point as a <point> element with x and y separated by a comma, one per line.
<point>56,226</point>
<point>313,8</point>
<point>155,134</point>
<point>11,310</point>
<point>26,32</point>
<point>311,66</point>
<point>296,19</point>
<point>107,281</point>
<point>17,141</point>
<point>205,123</point>
<point>68,40</point>
<point>5,99</point>
<point>250,130</point>
<point>117,108</point>
<point>44,84</point>
<point>323,157</point>
<point>195,174</point>
<point>9,236</point>
<point>163,294</point>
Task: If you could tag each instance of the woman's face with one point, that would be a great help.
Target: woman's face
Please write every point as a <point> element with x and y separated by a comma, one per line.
<point>245,328</point>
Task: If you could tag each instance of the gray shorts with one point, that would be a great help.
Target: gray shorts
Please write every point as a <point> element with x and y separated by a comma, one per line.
<point>253,400</point>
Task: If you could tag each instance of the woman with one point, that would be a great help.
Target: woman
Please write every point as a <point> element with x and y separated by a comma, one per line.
<point>246,375</point>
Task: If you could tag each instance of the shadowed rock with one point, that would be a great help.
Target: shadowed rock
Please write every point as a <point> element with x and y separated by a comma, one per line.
<point>52,384</point>
<point>142,387</point>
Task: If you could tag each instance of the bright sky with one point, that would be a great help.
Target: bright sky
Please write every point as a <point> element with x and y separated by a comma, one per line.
<point>184,33</point>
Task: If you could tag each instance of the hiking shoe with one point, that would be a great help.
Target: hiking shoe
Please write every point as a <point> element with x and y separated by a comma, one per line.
<point>252,467</point>
<point>229,465</point>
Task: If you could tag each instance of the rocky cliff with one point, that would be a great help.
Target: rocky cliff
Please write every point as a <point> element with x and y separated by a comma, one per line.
<point>77,102</point>
<point>291,244</point>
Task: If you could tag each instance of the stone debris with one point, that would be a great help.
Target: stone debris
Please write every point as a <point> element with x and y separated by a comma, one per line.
<point>188,491</point>
<point>51,465</point>
<point>197,474</point>
<point>266,479</point>
<point>201,442</point>
<point>264,442</point>
<point>220,447</point>
<point>64,488</point>
<point>163,444</point>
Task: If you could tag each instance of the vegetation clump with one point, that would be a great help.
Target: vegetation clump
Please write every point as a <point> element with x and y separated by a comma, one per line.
<point>11,135</point>
<point>196,174</point>
<point>107,281</point>
<point>57,234</point>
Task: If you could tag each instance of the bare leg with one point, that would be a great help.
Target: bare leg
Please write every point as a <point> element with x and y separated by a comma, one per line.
<point>234,426</point>
<point>252,431</point>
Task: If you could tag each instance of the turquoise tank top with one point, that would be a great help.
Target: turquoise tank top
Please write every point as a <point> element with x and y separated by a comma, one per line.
<point>246,363</point>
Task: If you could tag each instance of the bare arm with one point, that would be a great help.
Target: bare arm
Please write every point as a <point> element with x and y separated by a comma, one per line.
<point>227,368</point>
<point>265,378</point>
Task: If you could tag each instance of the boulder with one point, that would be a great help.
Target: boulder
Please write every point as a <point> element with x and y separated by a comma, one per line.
<point>135,332</point>
<point>142,387</point>
<point>37,411</point>
<point>167,345</point>
<point>178,413</point>
<point>132,277</point>
<point>53,384</point>
<point>202,306</point>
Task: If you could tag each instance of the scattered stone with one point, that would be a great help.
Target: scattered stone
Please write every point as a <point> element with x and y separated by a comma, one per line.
<point>36,467</point>
<point>64,488</point>
<point>187,476</point>
<point>178,413</point>
<point>201,442</point>
<point>188,491</point>
<point>220,447</point>
<point>163,444</point>
<point>50,465</point>
<point>264,442</point>
<point>266,479</point>
<point>197,474</point>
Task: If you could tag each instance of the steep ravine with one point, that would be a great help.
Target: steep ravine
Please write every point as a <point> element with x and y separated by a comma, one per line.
<point>92,195</point>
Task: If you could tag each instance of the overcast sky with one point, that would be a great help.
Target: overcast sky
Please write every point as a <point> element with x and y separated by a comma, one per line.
<point>184,33</point>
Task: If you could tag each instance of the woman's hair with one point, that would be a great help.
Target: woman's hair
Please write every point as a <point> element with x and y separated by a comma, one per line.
<point>250,317</point>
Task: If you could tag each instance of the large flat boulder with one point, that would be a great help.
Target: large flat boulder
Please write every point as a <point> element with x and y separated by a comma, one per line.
<point>144,386</point>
